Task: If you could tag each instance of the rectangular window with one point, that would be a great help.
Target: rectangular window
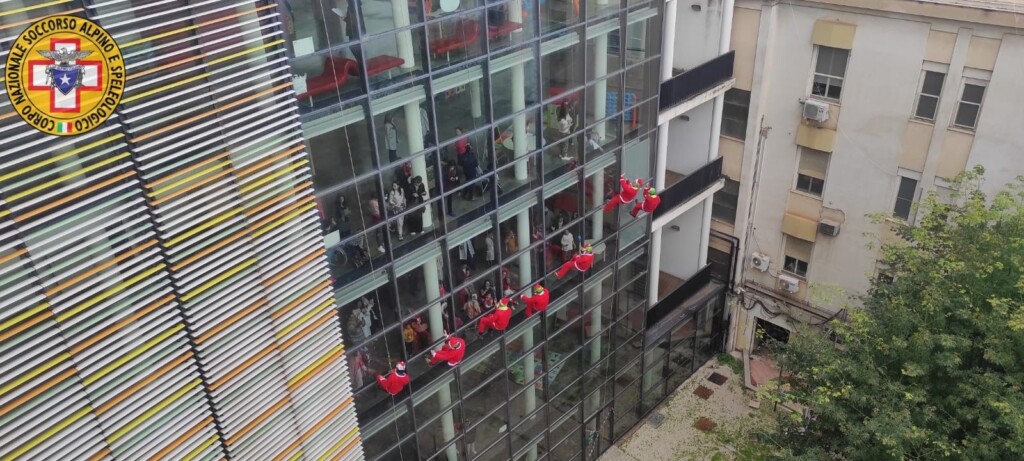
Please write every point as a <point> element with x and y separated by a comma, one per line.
<point>928,99</point>
<point>970,106</point>
<point>723,207</point>
<point>798,253</point>
<point>811,171</point>
<point>735,112</point>
<point>829,72</point>
<point>904,197</point>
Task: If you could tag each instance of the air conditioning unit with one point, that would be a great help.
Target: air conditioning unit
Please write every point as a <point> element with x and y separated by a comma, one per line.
<point>760,261</point>
<point>828,227</point>
<point>815,111</point>
<point>789,283</point>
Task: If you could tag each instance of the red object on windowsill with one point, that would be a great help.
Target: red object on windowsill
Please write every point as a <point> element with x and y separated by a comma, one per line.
<point>466,33</point>
<point>335,74</point>
<point>379,64</point>
<point>506,28</point>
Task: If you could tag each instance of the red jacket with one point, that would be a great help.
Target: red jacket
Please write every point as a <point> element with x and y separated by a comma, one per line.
<point>394,383</point>
<point>537,302</point>
<point>452,355</point>
<point>583,261</point>
<point>651,203</point>
<point>628,191</point>
<point>500,317</point>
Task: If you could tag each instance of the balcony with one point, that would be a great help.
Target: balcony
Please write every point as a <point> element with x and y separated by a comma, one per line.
<point>680,300</point>
<point>685,188</point>
<point>695,81</point>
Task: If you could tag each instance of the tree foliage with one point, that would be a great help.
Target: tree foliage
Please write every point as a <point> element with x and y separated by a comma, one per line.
<point>932,367</point>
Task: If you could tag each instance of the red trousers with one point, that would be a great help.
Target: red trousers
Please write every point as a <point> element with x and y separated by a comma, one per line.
<point>614,202</point>
<point>568,266</point>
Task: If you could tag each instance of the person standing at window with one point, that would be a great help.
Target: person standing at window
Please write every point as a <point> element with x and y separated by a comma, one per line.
<point>397,203</point>
<point>391,137</point>
<point>489,248</point>
<point>428,136</point>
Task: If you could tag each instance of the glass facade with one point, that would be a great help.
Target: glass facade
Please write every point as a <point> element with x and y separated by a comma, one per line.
<point>461,151</point>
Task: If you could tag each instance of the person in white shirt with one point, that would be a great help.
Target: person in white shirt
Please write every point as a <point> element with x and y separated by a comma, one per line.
<point>489,247</point>
<point>428,137</point>
<point>568,244</point>
<point>396,203</point>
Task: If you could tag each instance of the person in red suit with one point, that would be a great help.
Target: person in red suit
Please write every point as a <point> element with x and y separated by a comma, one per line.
<point>626,195</point>
<point>498,320</point>
<point>452,352</point>
<point>649,204</point>
<point>396,380</point>
<point>538,302</point>
<point>581,261</point>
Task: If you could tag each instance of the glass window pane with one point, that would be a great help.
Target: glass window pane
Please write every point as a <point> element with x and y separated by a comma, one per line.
<point>967,115</point>
<point>926,106</point>
<point>973,93</point>
<point>456,38</point>
<point>558,14</point>
<point>394,57</point>
<point>506,26</point>
<point>932,83</point>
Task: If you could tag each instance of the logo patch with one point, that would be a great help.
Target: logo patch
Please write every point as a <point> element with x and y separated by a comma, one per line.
<point>64,75</point>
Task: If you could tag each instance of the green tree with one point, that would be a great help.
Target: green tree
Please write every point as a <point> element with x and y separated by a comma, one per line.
<point>932,367</point>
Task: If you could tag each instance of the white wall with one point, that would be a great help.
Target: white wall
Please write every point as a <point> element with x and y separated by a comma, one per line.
<point>877,99</point>
<point>697,33</point>
<point>689,141</point>
<point>680,250</point>
<point>879,91</point>
<point>999,141</point>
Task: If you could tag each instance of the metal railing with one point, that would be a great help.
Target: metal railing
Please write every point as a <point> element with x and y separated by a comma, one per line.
<point>689,187</point>
<point>677,297</point>
<point>695,81</point>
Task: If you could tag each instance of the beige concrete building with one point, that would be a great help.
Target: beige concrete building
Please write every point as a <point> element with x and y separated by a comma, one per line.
<point>845,108</point>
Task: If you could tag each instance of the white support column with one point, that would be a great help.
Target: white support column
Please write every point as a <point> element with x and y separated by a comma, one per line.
<point>475,99</point>
<point>403,39</point>
<point>414,137</point>
<point>593,296</point>
<point>668,42</point>
<point>432,287</point>
<point>525,279</point>
<point>716,131</point>
<point>601,85</point>
<point>515,13</point>
<point>519,141</point>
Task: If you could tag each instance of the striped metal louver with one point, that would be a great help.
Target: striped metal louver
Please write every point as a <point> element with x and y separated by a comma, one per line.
<point>163,285</point>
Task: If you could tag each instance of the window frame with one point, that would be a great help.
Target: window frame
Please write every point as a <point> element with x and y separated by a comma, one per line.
<point>728,104</point>
<point>796,269</point>
<point>898,199</point>
<point>720,197</point>
<point>961,102</point>
<point>828,77</point>
<point>922,95</point>
<point>811,182</point>
<point>811,179</point>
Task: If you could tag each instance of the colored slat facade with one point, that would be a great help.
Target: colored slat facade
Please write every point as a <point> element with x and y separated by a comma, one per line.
<point>163,287</point>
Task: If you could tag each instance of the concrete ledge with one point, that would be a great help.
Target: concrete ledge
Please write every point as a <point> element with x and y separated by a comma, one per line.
<point>690,104</point>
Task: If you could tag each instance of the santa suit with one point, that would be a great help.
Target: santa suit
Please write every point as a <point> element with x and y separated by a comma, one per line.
<point>497,320</point>
<point>580,262</point>
<point>452,355</point>
<point>394,383</point>
<point>626,196</point>
<point>538,302</point>
<point>649,204</point>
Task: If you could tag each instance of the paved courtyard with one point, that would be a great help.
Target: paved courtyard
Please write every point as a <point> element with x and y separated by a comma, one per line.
<point>669,433</point>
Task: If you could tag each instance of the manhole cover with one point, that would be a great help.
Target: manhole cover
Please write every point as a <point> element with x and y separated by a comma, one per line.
<point>703,392</point>
<point>704,425</point>
<point>717,378</point>
<point>656,418</point>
